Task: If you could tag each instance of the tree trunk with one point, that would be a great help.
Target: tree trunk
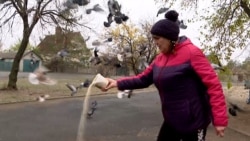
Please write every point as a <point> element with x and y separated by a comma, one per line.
<point>15,66</point>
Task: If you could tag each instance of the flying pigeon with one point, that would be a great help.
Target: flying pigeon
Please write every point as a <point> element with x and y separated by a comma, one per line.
<point>248,100</point>
<point>142,63</point>
<point>87,39</point>
<point>162,10</point>
<point>117,65</point>
<point>181,24</point>
<point>109,39</point>
<point>72,88</point>
<point>96,52</point>
<point>98,43</point>
<point>233,109</point>
<point>33,61</point>
<point>63,53</point>
<point>73,4</point>
<point>80,2</point>
<point>142,49</point>
<point>127,93</point>
<point>42,98</point>
<point>95,8</point>
<point>3,1</point>
<point>115,13</point>
<point>110,20</point>
<point>39,77</point>
<point>69,4</point>
<point>95,59</point>
<point>86,83</point>
<point>120,57</point>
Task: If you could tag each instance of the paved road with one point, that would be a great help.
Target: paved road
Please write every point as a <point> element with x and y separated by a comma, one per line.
<point>135,119</point>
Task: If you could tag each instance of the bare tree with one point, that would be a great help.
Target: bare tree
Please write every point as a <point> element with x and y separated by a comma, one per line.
<point>151,47</point>
<point>226,25</point>
<point>1,45</point>
<point>32,12</point>
<point>136,41</point>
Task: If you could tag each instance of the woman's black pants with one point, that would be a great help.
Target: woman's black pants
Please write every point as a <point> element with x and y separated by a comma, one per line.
<point>167,133</point>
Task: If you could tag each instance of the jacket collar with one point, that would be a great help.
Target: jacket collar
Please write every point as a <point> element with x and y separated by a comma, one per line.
<point>183,41</point>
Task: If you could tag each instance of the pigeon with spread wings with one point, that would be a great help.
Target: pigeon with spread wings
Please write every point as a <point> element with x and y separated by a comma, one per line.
<point>39,76</point>
<point>95,8</point>
<point>162,10</point>
<point>115,13</point>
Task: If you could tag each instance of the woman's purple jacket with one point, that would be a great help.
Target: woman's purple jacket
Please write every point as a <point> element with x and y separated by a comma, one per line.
<point>190,91</point>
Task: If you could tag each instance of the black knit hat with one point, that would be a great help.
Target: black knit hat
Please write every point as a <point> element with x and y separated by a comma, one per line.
<point>167,28</point>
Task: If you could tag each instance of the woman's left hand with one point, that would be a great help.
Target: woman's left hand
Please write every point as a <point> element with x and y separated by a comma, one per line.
<point>220,130</point>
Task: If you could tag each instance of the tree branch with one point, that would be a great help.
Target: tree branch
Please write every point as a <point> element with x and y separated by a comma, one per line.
<point>245,7</point>
<point>18,9</point>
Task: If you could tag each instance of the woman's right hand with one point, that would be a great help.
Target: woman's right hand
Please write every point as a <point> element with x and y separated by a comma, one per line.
<point>111,84</point>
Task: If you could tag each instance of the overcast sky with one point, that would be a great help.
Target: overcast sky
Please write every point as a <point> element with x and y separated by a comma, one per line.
<point>137,10</point>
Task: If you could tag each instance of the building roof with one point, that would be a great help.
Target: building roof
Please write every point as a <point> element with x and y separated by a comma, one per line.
<point>7,55</point>
<point>51,44</point>
<point>11,55</point>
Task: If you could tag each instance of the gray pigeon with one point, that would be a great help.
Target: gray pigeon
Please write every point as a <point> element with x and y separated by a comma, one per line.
<point>92,109</point>
<point>72,88</point>
<point>80,2</point>
<point>162,10</point>
<point>98,43</point>
<point>3,1</point>
<point>39,77</point>
<point>42,98</point>
<point>62,53</point>
<point>110,20</point>
<point>233,109</point>
<point>109,39</point>
<point>181,24</point>
<point>95,8</point>
<point>115,13</point>
<point>86,83</point>
<point>72,4</point>
<point>69,4</point>
<point>127,93</point>
<point>142,63</point>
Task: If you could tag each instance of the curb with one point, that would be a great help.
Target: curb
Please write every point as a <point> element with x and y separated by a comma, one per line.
<point>239,131</point>
<point>77,96</point>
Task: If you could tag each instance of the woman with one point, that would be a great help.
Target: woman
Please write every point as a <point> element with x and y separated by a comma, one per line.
<point>190,91</point>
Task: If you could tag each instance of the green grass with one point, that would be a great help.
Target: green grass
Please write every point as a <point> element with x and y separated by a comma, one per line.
<point>29,92</point>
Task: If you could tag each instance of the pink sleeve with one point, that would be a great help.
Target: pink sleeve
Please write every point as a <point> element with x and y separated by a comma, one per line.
<point>209,77</point>
<point>139,81</point>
